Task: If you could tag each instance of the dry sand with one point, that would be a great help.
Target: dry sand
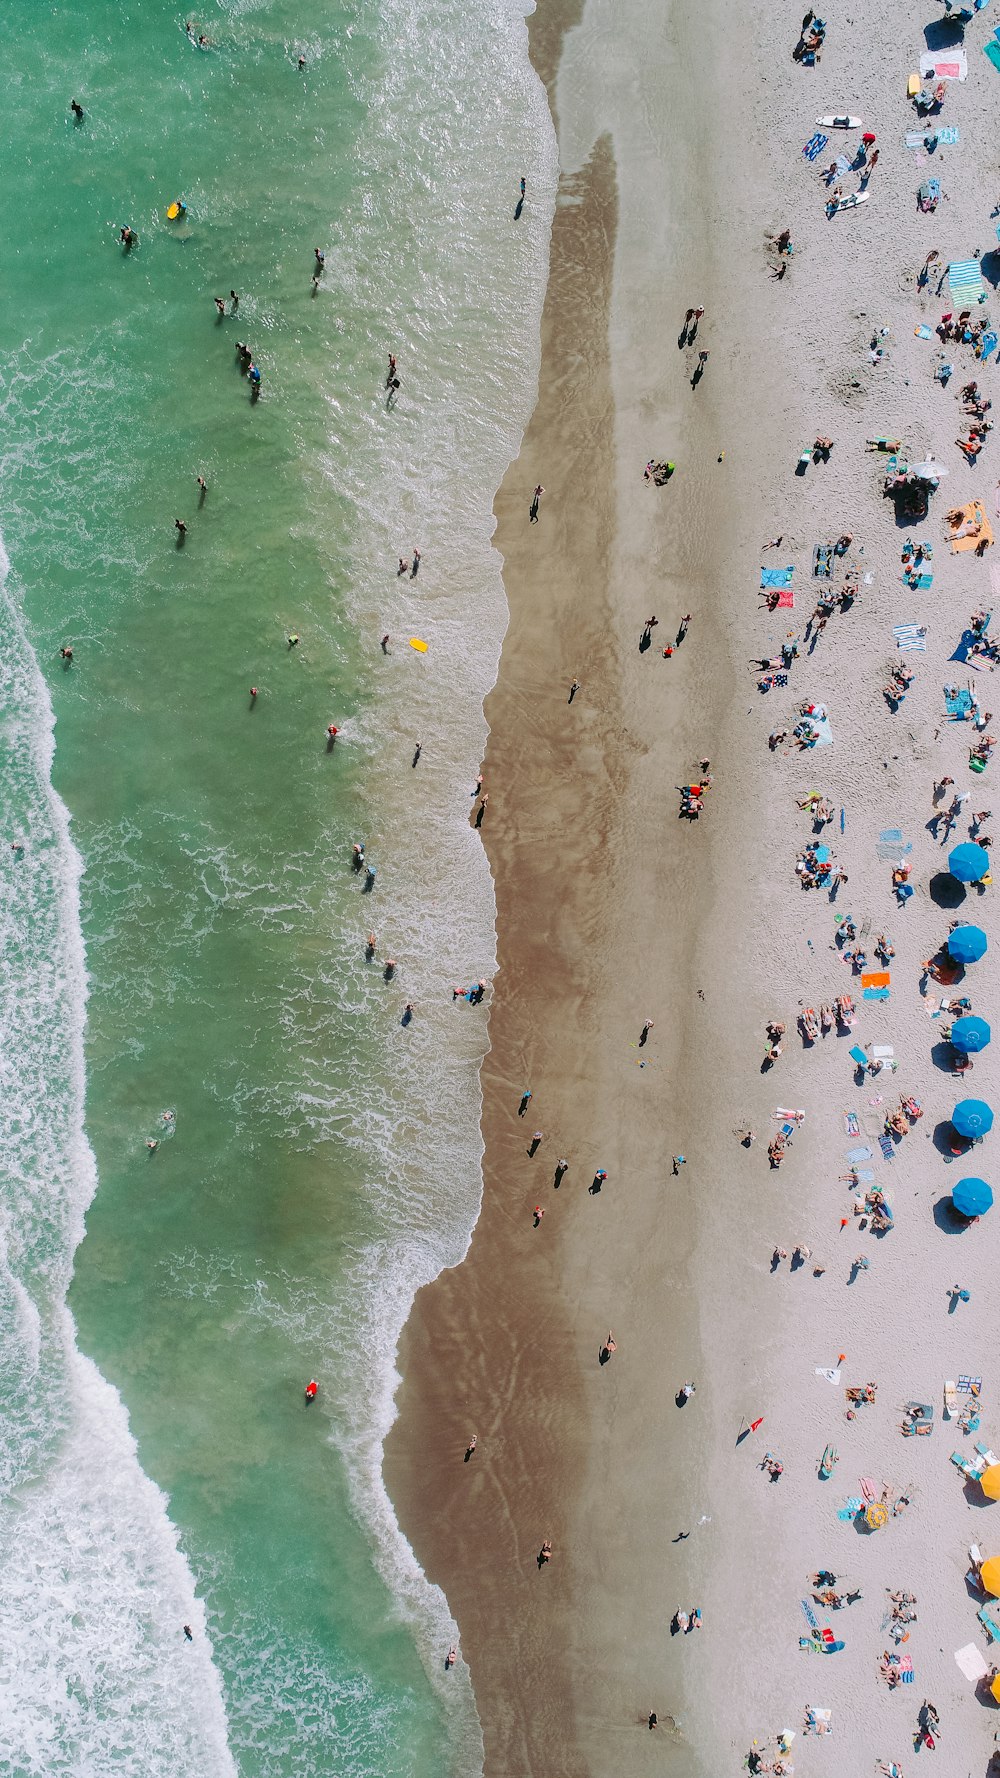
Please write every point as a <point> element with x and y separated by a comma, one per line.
<point>681,140</point>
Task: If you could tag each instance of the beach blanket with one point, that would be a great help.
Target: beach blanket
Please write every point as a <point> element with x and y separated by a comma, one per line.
<point>965,281</point>
<point>912,636</point>
<point>970,1663</point>
<point>891,845</point>
<point>948,64</point>
<point>972,529</point>
<point>815,146</point>
<point>776,576</point>
<point>963,653</point>
<point>786,599</point>
<point>959,704</point>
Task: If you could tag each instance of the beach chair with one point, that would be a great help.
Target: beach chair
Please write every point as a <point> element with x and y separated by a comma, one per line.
<point>987,1616</point>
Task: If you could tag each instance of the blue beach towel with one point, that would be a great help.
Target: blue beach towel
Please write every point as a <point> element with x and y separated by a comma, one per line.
<point>776,576</point>
<point>947,134</point>
<point>989,341</point>
<point>815,146</point>
<point>885,1144</point>
<point>874,993</point>
<point>959,706</point>
<point>992,53</point>
<point>910,636</point>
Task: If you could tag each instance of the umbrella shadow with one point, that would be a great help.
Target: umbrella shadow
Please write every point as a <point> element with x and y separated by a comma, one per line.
<point>945,890</point>
<point>947,1219</point>
<point>989,265</point>
<point>944,33</point>
<point>948,1142</point>
<point>974,1495</point>
<point>944,1056</point>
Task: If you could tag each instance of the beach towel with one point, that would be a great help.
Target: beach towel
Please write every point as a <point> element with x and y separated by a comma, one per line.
<point>875,978</point>
<point>947,135</point>
<point>992,51</point>
<point>867,1485</point>
<point>965,282</point>
<point>988,346</point>
<point>874,993</point>
<point>949,64</point>
<point>959,705</point>
<point>970,1663</point>
<point>854,1156</point>
<point>849,1510</point>
<point>864,1173</point>
<point>906,1670</point>
<point>969,1385</point>
<point>776,576</point>
<point>916,138</point>
<point>823,561</point>
<point>912,636</point>
<point>824,733</point>
<point>815,146</point>
<point>885,1144</point>
<point>786,599</point>
<point>851,1125</point>
<point>923,332</point>
<point>919,580</point>
<point>972,529</point>
<point>963,653</point>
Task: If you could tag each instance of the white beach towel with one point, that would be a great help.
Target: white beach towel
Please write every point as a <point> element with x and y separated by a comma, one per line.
<point>971,1663</point>
<point>951,64</point>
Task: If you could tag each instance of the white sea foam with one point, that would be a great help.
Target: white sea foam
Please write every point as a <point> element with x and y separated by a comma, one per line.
<point>95,1675</point>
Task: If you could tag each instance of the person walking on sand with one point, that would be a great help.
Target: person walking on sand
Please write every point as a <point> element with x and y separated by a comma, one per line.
<point>608,1349</point>
<point>682,629</point>
<point>471,1447</point>
<point>679,1161</point>
<point>480,812</point>
<point>574,688</point>
<point>537,1214</point>
<point>525,1099</point>
<point>535,1143</point>
<point>535,499</point>
<point>545,1553</point>
<point>644,1033</point>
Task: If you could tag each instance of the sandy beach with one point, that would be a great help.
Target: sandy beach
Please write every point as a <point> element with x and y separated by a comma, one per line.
<point>681,144</point>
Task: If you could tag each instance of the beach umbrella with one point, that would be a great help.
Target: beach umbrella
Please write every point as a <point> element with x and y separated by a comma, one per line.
<point>989,1574</point>
<point>972,1118</point>
<point>928,471</point>
<point>970,1035</point>
<point>875,1515</point>
<point>968,863</point>
<point>989,1481</point>
<point>972,1197</point>
<point>967,944</point>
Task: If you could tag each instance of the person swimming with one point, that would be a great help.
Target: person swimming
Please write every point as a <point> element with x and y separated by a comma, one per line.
<point>312,1389</point>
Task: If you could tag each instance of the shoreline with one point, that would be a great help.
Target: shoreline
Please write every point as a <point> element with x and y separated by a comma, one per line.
<point>611,911</point>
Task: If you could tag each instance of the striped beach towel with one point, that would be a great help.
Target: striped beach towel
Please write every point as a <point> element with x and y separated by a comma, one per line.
<point>965,281</point>
<point>911,636</point>
<point>885,1144</point>
<point>906,1669</point>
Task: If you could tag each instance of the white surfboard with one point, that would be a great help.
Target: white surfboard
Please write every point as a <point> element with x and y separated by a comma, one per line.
<point>840,123</point>
<point>851,203</point>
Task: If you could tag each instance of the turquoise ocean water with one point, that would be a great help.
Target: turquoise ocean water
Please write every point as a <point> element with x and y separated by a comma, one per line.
<point>182,930</point>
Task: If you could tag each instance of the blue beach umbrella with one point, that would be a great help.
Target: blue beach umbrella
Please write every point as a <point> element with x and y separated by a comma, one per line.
<point>967,944</point>
<point>972,1118</point>
<point>970,1035</point>
<point>972,1197</point>
<point>969,863</point>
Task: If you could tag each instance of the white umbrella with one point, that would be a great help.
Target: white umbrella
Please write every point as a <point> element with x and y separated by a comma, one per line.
<point>929,471</point>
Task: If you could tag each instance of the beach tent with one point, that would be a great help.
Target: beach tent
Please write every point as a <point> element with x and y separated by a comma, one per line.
<point>970,1035</point>
<point>989,1574</point>
<point>968,863</point>
<point>967,944</point>
<point>989,1481</point>
<point>972,1118</point>
<point>972,1197</point>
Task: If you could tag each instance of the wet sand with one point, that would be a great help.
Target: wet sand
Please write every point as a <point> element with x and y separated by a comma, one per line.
<point>611,911</point>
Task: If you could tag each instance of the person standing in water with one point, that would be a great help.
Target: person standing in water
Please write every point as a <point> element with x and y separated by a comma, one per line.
<point>202,489</point>
<point>181,529</point>
<point>415,570</point>
<point>77,110</point>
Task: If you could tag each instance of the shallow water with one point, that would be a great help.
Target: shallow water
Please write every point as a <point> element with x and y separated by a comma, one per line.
<point>321,1159</point>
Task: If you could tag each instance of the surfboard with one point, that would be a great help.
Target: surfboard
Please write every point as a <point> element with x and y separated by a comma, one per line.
<point>851,203</point>
<point>840,123</point>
